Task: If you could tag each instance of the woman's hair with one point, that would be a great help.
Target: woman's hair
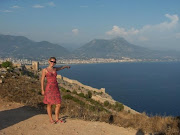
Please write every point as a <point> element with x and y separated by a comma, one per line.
<point>51,58</point>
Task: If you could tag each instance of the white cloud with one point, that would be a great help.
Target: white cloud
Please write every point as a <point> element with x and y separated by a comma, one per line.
<point>51,4</point>
<point>118,31</point>
<point>15,6</point>
<point>165,34</point>
<point>164,26</point>
<point>75,31</point>
<point>38,6</point>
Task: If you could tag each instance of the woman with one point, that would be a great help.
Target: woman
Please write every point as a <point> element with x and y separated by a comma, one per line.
<point>51,93</point>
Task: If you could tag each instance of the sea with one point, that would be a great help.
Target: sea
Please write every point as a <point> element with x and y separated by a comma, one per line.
<point>150,87</point>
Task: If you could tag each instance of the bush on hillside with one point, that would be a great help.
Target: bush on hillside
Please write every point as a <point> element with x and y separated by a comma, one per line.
<point>74,92</point>
<point>7,64</point>
<point>68,96</point>
<point>89,94</point>
<point>106,103</point>
<point>81,95</point>
<point>119,106</point>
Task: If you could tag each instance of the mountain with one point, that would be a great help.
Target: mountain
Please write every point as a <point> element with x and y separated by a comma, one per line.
<point>22,47</point>
<point>114,48</point>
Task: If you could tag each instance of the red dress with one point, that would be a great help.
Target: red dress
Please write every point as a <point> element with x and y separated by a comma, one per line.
<point>52,94</point>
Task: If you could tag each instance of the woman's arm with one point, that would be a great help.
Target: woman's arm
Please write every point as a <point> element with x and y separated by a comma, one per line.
<point>42,81</point>
<point>63,67</point>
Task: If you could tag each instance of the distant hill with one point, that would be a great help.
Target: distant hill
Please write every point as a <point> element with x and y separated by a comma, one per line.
<point>114,48</point>
<point>22,47</point>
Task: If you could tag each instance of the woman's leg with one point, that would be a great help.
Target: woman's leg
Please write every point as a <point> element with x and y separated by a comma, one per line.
<point>57,111</point>
<point>49,111</point>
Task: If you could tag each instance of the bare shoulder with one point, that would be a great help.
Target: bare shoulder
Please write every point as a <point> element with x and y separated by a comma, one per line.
<point>44,70</point>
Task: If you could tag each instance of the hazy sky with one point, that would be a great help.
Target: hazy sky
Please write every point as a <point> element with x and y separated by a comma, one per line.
<point>149,23</point>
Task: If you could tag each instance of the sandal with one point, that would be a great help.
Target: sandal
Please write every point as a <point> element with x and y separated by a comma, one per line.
<point>59,121</point>
<point>52,122</point>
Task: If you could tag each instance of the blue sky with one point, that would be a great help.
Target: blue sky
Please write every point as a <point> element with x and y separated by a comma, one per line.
<point>148,23</point>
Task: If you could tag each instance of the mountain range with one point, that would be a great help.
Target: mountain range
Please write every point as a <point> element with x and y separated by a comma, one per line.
<point>22,47</point>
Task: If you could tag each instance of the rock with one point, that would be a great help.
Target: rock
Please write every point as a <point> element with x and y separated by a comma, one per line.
<point>13,76</point>
<point>1,81</point>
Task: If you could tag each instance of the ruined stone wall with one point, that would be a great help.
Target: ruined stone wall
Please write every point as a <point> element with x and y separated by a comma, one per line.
<point>80,84</point>
<point>35,65</point>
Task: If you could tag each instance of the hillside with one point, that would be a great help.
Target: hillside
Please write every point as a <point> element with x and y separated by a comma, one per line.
<point>114,48</point>
<point>25,89</point>
<point>22,47</point>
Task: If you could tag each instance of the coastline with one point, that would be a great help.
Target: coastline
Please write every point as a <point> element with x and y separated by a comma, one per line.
<point>96,97</point>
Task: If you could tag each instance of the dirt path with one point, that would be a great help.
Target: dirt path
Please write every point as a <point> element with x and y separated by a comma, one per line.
<point>16,119</point>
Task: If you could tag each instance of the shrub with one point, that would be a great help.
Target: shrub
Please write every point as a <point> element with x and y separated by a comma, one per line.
<point>92,108</point>
<point>89,94</point>
<point>119,106</point>
<point>68,96</point>
<point>81,95</point>
<point>63,89</point>
<point>74,92</point>
<point>106,103</point>
<point>68,91</point>
<point>7,64</point>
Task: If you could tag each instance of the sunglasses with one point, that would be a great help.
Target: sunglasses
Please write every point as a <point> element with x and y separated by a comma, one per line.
<point>53,62</point>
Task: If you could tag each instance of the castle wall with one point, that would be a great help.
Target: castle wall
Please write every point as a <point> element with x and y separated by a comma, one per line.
<point>35,65</point>
<point>80,84</point>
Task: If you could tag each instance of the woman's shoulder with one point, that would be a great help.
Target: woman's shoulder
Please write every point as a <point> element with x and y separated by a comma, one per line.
<point>44,69</point>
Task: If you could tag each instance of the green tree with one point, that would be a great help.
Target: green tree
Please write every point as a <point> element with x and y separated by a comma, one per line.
<point>7,64</point>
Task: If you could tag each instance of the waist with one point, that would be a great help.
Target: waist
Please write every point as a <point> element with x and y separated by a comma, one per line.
<point>54,82</point>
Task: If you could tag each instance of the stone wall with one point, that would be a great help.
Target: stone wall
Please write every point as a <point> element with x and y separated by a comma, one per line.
<point>80,84</point>
<point>35,65</point>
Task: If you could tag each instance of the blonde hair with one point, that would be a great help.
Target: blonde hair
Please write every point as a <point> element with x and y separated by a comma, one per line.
<point>51,58</point>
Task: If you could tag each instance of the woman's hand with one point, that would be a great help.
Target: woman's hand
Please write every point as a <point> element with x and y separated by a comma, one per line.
<point>67,67</point>
<point>42,92</point>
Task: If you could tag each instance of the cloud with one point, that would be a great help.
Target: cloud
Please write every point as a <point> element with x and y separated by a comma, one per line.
<point>51,4</point>
<point>75,31</point>
<point>164,26</point>
<point>161,35</point>
<point>15,6</point>
<point>38,6</point>
<point>118,31</point>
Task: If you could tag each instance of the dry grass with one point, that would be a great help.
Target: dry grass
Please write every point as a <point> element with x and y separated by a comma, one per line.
<point>26,90</point>
<point>155,124</point>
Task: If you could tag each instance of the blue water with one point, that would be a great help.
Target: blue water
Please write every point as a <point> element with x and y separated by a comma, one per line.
<point>153,88</point>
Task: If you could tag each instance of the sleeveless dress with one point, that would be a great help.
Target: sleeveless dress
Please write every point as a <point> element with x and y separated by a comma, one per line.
<point>52,94</point>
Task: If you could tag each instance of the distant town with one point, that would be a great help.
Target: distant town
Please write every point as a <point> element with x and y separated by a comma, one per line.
<point>86,61</point>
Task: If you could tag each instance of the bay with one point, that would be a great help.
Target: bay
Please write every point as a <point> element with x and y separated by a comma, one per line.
<point>153,88</point>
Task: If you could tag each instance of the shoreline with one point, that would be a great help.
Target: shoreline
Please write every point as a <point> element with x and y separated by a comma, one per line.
<point>113,63</point>
<point>97,97</point>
